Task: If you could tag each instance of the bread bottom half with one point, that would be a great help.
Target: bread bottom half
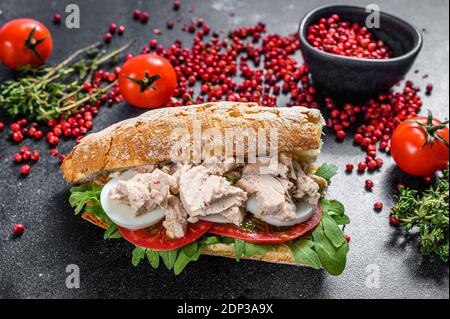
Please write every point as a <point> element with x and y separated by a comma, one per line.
<point>279,254</point>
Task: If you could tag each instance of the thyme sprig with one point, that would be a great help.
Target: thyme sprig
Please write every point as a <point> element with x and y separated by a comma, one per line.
<point>429,212</point>
<point>51,92</point>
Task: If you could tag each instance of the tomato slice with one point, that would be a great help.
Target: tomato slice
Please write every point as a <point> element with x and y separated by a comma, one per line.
<point>259,232</point>
<point>155,237</point>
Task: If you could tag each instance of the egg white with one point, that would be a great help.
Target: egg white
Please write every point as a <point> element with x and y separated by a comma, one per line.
<point>122,214</point>
<point>304,212</point>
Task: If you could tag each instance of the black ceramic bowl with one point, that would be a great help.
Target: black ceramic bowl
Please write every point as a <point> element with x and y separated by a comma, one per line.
<point>354,77</point>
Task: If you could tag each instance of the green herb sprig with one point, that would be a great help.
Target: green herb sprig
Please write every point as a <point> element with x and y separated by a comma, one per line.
<point>429,212</point>
<point>51,92</point>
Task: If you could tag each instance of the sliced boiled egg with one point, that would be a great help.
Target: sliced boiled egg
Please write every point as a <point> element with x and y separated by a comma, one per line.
<point>215,218</point>
<point>304,212</point>
<point>122,214</point>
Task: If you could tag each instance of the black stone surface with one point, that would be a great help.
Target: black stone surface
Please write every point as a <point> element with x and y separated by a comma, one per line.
<point>33,266</point>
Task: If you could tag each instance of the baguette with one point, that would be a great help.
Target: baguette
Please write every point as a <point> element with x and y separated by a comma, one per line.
<point>146,139</point>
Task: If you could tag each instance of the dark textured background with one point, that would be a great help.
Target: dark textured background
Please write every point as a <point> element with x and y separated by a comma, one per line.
<point>33,266</point>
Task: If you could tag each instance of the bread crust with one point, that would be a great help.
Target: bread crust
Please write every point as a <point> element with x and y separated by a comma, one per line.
<point>279,255</point>
<point>147,139</point>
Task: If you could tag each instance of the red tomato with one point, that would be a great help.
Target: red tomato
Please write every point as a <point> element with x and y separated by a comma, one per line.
<point>414,153</point>
<point>24,42</point>
<point>263,233</point>
<point>147,81</point>
<point>155,237</point>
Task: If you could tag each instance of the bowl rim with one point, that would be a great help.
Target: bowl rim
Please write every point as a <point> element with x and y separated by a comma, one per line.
<point>411,53</point>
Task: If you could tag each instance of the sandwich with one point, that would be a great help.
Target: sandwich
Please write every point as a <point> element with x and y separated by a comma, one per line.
<point>221,179</point>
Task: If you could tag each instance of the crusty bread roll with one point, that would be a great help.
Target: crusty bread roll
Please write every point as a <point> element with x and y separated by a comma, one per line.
<point>147,139</point>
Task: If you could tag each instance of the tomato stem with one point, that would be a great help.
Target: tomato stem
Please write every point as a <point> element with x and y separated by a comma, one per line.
<point>146,82</point>
<point>31,43</point>
<point>431,130</point>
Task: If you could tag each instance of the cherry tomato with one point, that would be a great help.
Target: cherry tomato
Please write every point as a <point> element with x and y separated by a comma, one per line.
<point>147,81</point>
<point>259,232</point>
<point>24,42</point>
<point>155,237</point>
<point>420,146</point>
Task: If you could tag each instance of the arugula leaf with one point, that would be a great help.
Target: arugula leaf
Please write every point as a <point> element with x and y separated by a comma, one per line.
<point>327,171</point>
<point>332,258</point>
<point>254,249</point>
<point>153,258</point>
<point>138,254</point>
<point>341,220</point>
<point>332,231</point>
<point>239,248</point>
<point>169,257</point>
<point>112,232</point>
<point>87,197</point>
<point>337,207</point>
<point>304,254</point>
<point>84,194</point>
<point>190,249</point>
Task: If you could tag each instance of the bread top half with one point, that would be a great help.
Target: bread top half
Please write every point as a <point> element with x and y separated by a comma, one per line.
<point>148,138</point>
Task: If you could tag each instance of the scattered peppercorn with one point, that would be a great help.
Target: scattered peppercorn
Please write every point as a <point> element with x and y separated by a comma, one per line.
<point>378,206</point>
<point>394,221</point>
<point>112,28</point>
<point>25,169</point>
<point>57,18</point>
<point>121,30</point>
<point>18,229</point>
<point>107,37</point>
<point>369,184</point>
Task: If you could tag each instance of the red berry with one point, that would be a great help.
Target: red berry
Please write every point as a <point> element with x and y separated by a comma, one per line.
<point>347,237</point>
<point>24,149</point>
<point>17,158</point>
<point>144,17</point>
<point>22,122</point>
<point>35,155</point>
<point>54,152</point>
<point>18,229</point>
<point>153,43</point>
<point>137,14</point>
<point>57,18</point>
<point>341,135</point>
<point>378,206</point>
<point>394,221</point>
<point>107,37</point>
<point>121,30</point>
<point>17,137</point>
<point>372,165</point>
<point>15,127</point>
<point>176,5</point>
<point>369,184</point>
<point>2,126</point>
<point>429,179</point>
<point>362,167</point>
<point>112,28</point>
<point>61,158</point>
<point>53,140</point>
<point>349,167</point>
<point>38,135</point>
<point>169,24</point>
<point>26,156</point>
<point>25,169</point>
